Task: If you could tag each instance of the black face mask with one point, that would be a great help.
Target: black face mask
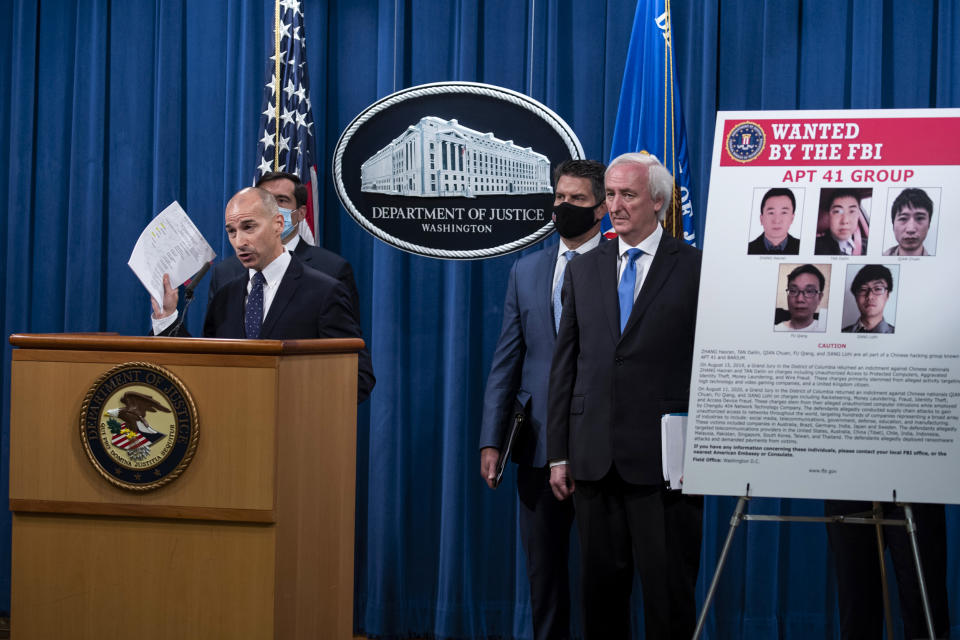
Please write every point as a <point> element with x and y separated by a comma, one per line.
<point>572,221</point>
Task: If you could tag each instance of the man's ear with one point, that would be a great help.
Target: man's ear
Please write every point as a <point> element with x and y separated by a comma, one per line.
<point>600,211</point>
<point>298,215</point>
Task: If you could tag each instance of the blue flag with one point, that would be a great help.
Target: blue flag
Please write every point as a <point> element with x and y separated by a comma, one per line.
<point>650,116</point>
<point>286,100</point>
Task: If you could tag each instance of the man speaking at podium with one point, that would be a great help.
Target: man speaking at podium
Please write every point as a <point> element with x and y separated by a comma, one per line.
<point>276,298</point>
<point>291,197</point>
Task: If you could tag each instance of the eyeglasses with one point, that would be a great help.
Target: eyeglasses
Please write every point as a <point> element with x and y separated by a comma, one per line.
<point>878,290</point>
<point>809,292</point>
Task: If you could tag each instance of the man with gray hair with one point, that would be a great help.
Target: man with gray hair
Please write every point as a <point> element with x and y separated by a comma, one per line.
<point>623,359</point>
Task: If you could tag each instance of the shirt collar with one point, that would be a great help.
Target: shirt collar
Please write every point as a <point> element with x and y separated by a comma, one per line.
<point>896,251</point>
<point>779,247</point>
<point>647,245</point>
<point>848,244</point>
<point>274,271</point>
<point>880,327</point>
<point>592,243</point>
<point>294,241</point>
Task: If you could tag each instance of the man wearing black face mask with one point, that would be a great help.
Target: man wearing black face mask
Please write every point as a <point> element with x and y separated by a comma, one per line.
<point>518,382</point>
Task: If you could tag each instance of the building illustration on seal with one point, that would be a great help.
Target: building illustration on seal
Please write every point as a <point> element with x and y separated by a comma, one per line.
<point>443,158</point>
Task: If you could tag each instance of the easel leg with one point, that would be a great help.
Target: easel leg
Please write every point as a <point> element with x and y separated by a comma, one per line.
<point>734,521</point>
<point>887,613</point>
<point>912,533</point>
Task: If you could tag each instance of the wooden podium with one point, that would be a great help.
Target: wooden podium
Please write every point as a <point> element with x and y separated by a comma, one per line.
<point>253,540</point>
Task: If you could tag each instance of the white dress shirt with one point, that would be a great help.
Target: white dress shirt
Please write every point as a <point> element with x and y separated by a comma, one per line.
<point>272,273</point>
<point>561,263</point>
<point>649,247</point>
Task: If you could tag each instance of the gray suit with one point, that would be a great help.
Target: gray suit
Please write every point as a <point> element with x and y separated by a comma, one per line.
<point>518,376</point>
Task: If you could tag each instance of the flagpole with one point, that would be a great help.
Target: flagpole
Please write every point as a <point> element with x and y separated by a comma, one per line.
<point>276,85</point>
<point>669,107</point>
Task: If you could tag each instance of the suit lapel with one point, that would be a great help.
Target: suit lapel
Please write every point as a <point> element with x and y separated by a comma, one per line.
<point>302,251</point>
<point>229,304</point>
<point>543,287</point>
<point>660,269</point>
<point>606,275</point>
<point>285,292</point>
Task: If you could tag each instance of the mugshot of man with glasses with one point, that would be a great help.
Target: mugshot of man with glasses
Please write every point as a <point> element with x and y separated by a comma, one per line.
<point>804,294</point>
<point>871,289</point>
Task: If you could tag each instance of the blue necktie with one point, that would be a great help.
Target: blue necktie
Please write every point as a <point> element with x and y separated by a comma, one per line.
<point>253,314</point>
<point>627,283</point>
<point>557,305</point>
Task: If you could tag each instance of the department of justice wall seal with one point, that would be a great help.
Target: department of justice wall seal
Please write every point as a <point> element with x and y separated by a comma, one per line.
<point>453,170</point>
<point>745,141</point>
<point>139,426</point>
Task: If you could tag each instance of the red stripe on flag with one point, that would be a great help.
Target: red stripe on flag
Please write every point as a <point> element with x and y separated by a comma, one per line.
<point>126,444</point>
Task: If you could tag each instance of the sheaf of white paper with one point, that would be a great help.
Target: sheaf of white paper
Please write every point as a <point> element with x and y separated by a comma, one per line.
<point>170,244</point>
<point>673,437</point>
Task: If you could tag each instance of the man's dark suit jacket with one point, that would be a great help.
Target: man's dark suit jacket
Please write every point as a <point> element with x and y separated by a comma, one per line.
<point>521,362</point>
<point>308,304</point>
<point>607,391</point>
<point>758,248</point>
<point>318,258</point>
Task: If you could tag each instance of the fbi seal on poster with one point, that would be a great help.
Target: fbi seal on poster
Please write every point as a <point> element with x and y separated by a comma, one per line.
<point>746,141</point>
<point>454,170</point>
<point>139,426</point>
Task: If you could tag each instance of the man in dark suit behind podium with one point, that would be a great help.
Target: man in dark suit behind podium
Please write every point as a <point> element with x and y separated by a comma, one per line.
<point>276,297</point>
<point>623,359</point>
<point>291,197</point>
<point>518,377</point>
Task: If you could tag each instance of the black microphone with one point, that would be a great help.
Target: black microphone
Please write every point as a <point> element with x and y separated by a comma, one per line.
<point>188,295</point>
<point>195,280</point>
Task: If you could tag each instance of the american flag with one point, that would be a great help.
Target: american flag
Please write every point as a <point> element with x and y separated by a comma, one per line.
<point>292,148</point>
<point>120,440</point>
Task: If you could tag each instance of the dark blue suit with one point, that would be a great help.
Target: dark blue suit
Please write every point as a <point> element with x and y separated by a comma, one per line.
<point>308,304</point>
<point>326,262</point>
<point>607,393</point>
<point>323,260</point>
<point>520,374</point>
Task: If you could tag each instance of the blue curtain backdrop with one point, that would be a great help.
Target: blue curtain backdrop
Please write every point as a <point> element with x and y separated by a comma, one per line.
<point>109,110</point>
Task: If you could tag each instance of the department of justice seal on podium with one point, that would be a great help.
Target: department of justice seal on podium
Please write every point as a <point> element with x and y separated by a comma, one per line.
<point>139,426</point>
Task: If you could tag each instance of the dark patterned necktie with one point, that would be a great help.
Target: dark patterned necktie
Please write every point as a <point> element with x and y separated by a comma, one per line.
<point>253,314</point>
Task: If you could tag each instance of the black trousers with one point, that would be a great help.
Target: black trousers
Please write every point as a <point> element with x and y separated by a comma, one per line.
<point>859,589</point>
<point>657,532</point>
<point>545,532</point>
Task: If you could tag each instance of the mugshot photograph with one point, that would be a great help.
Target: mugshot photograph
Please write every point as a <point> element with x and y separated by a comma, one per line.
<point>913,228</point>
<point>777,215</point>
<point>843,223</point>
<point>802,294</point>
<point>870,304</point>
